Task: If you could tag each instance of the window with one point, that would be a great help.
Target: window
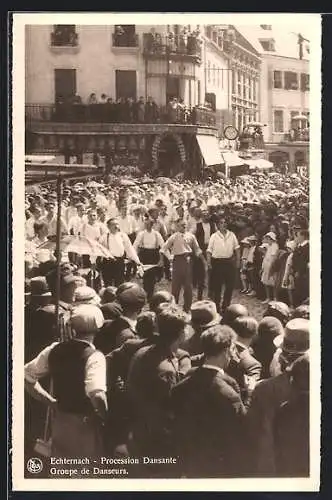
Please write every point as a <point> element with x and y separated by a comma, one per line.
<point>278,116</point>
<point>218,77</point>
<point>250,88</point>
<point>305,82</point>
<point>266,26</point>
<point>64,35</point>
<point>291,81</point>
<point>254,90</point>
<point>233,81</point>
<point>209,71</point>
<point>277,79</point>
<point>268,45</point>
<point>208,31</point>
<point>239,85</point>
<point>214,36</point>
<point>213,74</point>
<point>124,36</point>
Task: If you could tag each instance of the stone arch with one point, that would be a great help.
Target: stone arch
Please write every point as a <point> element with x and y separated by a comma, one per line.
<point>156,146</point>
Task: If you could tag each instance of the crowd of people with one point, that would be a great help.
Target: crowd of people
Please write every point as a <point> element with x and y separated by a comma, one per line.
<point>133,372</point>
<point>125,110</point>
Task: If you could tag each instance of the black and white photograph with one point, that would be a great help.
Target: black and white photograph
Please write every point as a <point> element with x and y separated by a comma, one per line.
<point>166,251</point>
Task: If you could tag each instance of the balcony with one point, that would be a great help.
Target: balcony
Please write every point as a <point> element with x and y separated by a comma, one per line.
<point>115,113</point>
<point>176,47</point>
<point>125,40</point>
<point>64,41</point>
<point>297,135</point>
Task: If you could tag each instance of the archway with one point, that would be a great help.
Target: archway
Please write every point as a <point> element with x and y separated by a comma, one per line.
<point>279,159</point>
<point>168,155</point>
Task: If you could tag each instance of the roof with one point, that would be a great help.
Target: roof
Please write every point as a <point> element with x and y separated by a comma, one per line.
<point>285,38</point>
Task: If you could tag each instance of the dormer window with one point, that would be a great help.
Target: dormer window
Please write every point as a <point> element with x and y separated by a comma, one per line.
<point>268,45</point>
<point>266,26</point>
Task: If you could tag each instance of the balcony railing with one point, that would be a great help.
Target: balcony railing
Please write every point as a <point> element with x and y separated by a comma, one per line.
<point>295,135</point>
<point>156,44</point>
<point>64,39</point>
<point>115,113</point>
<point>125,40</point>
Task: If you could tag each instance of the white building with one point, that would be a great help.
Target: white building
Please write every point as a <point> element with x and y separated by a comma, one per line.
<point>284,90</point>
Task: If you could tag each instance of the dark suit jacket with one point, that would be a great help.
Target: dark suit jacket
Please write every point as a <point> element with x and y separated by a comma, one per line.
<point>300,259</point>
<point>199,233</point>
<point>207,424</point>
<point>266,400</point>
<point>113,334</point>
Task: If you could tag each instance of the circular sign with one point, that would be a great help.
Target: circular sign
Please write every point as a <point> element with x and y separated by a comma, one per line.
<point>231,133</point>
<point>34,465</point>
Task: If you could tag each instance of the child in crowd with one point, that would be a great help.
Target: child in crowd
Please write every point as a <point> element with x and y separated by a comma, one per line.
<point>244,263</point>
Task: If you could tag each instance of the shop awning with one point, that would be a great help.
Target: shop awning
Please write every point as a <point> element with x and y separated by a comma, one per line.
<point>259,163</point>
<point>231,159</point>
<point>208,144</point>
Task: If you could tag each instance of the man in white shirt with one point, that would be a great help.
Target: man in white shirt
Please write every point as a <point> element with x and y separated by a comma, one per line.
<point>29,224</point>
<point>183,245</point>
<point>51,220</point>
<point>147,245</point>
<point>119,245</point>
<point>78,372</point>
<point>223,258</point>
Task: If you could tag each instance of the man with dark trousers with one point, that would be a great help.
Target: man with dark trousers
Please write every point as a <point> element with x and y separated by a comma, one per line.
<point>119,246</point>
<point>183,245</point>
<point>208,412</point>
<point>223,258</point>
<point>300,264</point>
<point>203,231</point>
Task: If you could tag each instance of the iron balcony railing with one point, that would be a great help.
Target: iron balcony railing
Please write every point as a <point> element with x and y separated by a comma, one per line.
<point>125,40</point>
<point>295,135</point>
<point>64,39</point>
<point>156,44</point>
<point>119,113</point>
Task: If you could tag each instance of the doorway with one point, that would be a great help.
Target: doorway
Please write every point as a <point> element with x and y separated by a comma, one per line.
<point>169,160</point>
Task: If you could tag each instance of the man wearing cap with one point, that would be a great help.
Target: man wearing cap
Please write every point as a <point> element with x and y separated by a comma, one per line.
<point>183,246</point>
<point>78,372</point>
<point>203,315</point>
<point>269,395</point>
<point>131,298</point>
<point>208,413</point>
<point>119,245</point>
<point>223,258</point>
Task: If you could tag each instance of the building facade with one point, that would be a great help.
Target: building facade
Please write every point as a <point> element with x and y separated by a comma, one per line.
<point>128,63</point>
<point>284,93</point>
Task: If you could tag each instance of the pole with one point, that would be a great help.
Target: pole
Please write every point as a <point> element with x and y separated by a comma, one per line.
<point>146,79</point>
<point>58,253</point>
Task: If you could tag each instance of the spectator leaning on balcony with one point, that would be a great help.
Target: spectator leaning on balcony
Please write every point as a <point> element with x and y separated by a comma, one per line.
<point>140,110</point>
<point>92,99</point>
<point>151,111</point>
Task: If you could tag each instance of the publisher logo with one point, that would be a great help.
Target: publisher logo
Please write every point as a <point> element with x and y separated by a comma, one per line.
<point>34,465</point>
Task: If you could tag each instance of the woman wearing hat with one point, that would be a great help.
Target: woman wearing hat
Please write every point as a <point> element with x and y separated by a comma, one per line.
<point>267,278</point>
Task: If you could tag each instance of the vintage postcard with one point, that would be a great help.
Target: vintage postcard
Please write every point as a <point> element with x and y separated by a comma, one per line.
<point>166,252</point>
